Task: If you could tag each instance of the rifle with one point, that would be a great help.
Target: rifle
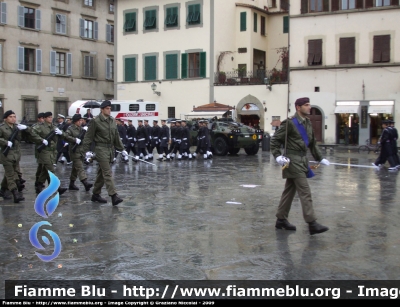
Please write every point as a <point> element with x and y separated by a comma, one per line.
<point>13,136</point>
<point>80,136</point>
<point>50,136</point>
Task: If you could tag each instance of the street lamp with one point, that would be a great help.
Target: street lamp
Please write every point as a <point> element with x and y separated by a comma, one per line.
<point>154,87</point>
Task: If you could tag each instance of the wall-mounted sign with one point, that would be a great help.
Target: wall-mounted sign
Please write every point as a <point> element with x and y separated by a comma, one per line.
<point>49,89</point>
<point>364,114</point>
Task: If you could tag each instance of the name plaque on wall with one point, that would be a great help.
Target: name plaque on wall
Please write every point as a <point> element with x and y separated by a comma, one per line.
<point>364,114</point>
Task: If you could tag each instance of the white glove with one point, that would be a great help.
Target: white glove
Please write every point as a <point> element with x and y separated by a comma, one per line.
<point>89,155</point>
<point>281,160</point>
<point>85,128</point>
<point>150,137</point>
<point>78,141</point>
<point>132,144</point>
<point>58,131</point>
<point>9,144</point>
<point>324,162</point>
<point>66,144</point>
<point>21,127</point>
<point>124,153</point>
<point>45,142</point>
<point>134,139</point>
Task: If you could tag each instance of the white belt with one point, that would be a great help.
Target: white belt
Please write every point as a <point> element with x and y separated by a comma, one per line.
<point>164,138</point>
<point>184,139</point>
<point>141,139</point>
<point>155,137</point>
<point>177,139</point>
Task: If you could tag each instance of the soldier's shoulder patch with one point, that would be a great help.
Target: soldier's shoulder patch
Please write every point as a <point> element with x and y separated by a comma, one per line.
<point>1,125</point>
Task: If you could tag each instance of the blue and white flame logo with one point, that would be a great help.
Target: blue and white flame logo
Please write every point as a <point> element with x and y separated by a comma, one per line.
<point>51,206</point>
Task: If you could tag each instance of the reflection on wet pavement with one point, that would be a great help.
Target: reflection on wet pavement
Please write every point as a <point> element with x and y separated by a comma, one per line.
<point>212,219</point>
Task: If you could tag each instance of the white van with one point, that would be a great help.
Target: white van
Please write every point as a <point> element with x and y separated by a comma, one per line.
<point>123,109</point>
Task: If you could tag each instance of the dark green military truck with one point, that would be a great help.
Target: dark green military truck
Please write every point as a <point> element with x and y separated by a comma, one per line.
<point>228,136</point>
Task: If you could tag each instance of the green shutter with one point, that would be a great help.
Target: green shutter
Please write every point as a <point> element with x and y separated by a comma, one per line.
<point>130,22</point>
<point>285,24</point>
<point>150,68</point>
<point>130,69</point>
<point>193,14</point>
<point>171,66</point>
<point>184,66</point>
<point>203,64</point>
<point>255,22</point>
<point>242,21</point>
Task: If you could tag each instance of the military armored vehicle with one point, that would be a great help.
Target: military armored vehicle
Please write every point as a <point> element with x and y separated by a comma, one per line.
<point>228,136</point>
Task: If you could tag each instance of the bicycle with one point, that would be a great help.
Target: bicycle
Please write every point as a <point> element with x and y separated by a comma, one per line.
<point>376,148</point>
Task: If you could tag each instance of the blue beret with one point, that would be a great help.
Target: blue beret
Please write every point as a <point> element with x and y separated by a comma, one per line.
<point>301,101</point>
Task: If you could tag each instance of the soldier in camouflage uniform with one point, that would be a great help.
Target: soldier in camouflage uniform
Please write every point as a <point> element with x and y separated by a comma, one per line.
<point>72,135</point>
<point>103,131</point>
<point>299,134</point>
<point>11,161</point>
<point>40,120</point>
<point>46,157</point>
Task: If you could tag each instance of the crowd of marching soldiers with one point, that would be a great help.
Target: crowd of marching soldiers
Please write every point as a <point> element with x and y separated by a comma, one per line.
<point>169,143</point>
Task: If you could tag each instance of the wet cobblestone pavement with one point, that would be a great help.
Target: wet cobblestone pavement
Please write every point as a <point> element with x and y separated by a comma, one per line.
<point>212,219</point>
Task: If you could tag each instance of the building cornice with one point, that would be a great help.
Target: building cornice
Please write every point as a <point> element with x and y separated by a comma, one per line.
<point>348,66</point>
<point>256,8</point>
<point>355,11</point>
<point>27,3</point>
<point>58,9</point>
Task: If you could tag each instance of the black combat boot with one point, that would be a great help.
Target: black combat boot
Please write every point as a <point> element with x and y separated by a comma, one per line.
<point>315,228</point>
<point>39,187</point>
<point>115,199</point>
<point>17,196</point>
<point>284,224</point>
<point>61,191</point>
<point>72,186</point>
<point>98,198</point>
<point>22,181</point>
<point>4,193</point>
<point>86,184</point>
<point>20,186</point>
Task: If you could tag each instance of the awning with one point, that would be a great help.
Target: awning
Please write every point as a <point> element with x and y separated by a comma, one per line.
<point>206,114</point>
<point>347,109</point>
<point>380,109</point>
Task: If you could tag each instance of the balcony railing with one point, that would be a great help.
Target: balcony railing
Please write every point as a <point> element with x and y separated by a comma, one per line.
<point>257,77</point>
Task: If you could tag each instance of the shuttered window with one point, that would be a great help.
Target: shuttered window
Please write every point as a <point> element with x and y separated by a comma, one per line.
<point>150,68</point>
<point>255,21</point>
<point>88,66</point>
<point>347,50</point>
<point>1,56</point>
<point>381,48</point>
<point>171,19</point>
<point>243,21</point>
<point>130,22</point>
<point>314,52</point>
<point>29,18</point>
<point>150,21</point>
<point>262,26</point>
<point>61,24</point>
<point>284,5</point>
<point>3,12</point>
<point>171,66</point>
<point>130,69</point>
<point>109,69</point>
<point>109,33</point>
<point>193,14</point>
<point>194,65</point>
<point>285,24</point>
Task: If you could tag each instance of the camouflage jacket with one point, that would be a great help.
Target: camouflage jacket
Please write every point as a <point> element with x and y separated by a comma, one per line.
<point>39,133</point>
<point>71,134</point>
<point>15,153</point>
<point>103,131</point>
<point>295,148</point>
